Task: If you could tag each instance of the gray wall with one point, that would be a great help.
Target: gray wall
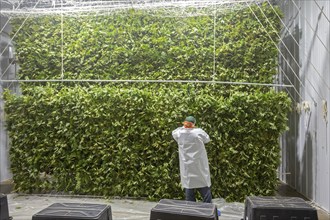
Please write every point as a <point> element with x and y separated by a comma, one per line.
<point>304,63</point>
<point>8,70</point>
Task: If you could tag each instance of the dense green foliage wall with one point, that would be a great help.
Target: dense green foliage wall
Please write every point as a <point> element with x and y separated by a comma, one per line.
<point>110,141</point>
<point>138,44</point>
<point>115,139</point>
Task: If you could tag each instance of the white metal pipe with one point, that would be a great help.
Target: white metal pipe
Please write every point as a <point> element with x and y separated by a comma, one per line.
<point>140,81</point>
<point>77,7</point>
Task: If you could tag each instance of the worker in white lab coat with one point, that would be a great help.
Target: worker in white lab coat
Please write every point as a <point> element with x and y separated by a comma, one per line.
<point>194,166</point>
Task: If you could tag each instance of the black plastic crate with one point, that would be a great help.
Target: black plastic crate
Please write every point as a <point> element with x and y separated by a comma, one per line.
<point>74,211</point>
<point>278,208</point>
<point>4,213</point>
<point>168,209</point>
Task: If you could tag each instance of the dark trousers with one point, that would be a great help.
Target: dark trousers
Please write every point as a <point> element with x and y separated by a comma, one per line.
<point>204,191</point>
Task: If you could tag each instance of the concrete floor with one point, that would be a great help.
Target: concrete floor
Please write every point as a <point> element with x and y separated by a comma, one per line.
<point>285,190</point>
<point>23,207</point>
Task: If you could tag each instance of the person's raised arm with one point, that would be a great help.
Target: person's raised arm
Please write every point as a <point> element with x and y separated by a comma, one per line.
<point>175,134</point>
<point>204,136</point>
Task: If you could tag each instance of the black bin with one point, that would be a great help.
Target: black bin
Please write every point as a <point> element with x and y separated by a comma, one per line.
<point>168,209</point>
<point>74,211</point>
<point>4,213</point>
<point>278,208</point>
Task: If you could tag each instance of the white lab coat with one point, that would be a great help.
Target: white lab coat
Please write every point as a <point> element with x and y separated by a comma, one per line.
<point>194,165</point>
